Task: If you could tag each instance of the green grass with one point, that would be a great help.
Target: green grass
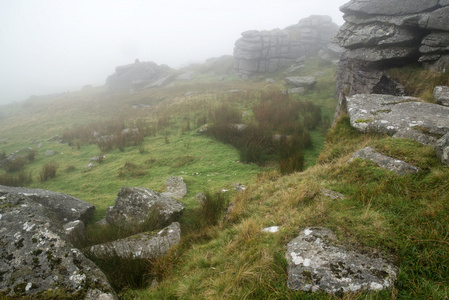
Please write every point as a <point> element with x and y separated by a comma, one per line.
<point>404,219</point>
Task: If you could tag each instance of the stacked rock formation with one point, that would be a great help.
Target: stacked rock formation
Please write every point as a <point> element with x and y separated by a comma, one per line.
<point>139,75</point>
<point>268,51</point>
<point>382,34</point>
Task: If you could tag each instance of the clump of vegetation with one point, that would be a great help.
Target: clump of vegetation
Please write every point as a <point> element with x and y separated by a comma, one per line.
<point>19,179</point>
<point>16,164</point>
<point>419,82</point>
<point>48,171</point>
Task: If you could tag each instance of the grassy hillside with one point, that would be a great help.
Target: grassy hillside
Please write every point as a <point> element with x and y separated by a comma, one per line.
<point>404,219</point>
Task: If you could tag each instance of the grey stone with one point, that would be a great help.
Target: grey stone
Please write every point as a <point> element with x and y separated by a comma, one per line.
<point>412,20</point>
<point>304,82</point>
<point>175,187</point>
<point>388,114</point>
<point>49,153</point>
<point>316,262</point>
<point>437,39</point>
<point>442,149</point>
<point>444,2</point>
<point>411,134</point>
<point>388,7</point>
<point>200,197</point>
<point>66,207</point>
<point>271,229</point>
<point>332,194</point>
<point>37,257</point>
<point>395,165</point>
<point>439,19</point>
<point>383,54</point>
<point>134,204</point>
<point>149,245</point>
<point>238,187</point>
<point>75,230</point>
<point>441,95</point>
<point>298,90</point>
<point>372,35</point>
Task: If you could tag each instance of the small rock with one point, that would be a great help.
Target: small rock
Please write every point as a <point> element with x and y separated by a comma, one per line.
<point>305,82</point>
<point>442,149</point>
<point>75,230</point>
<point>441,95</point>
<point>200,197</point>
<point>175,187</point>
<point>298,90</point>
<point>238,187</point>
<point>332,194</point>
<point>49,152</point>
<point>272,229</point>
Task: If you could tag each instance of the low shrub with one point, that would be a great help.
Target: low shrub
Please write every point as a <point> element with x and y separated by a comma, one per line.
<point>19,179</point>
<point>48,171</point>
<point>16,164</point>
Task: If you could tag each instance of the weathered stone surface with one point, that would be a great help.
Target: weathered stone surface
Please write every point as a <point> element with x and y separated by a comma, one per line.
<point>389,114</point>
<point>35,255</point>
<point>439,19</point>
<point>316,262</point>
<point>149,245</point>
<point>49,153</point>
<point>175,187</point>
<point>75,230</point>
<point>304,82</point>
<point>268,51</point>
<point>370,35</point>
<point>441,95</point>
<point>66,207</point>
<point>200,197</point>
<point>415,135</point>
<point>134,204</point>
<point>395,165</point>
<point>388,7</point>
<point>373,55</point>
<point>298,90</point>
<point>442,149</point>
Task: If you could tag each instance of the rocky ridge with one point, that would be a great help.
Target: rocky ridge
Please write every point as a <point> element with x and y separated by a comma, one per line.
<point>258,52</point>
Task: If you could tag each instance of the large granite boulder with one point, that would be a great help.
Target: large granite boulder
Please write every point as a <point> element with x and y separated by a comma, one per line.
<point>135,205</point>
<point>148,245</point>
<point>268,51</point>
<point>139,75</point>
<point>381,34</point>
<point>316,262</point>
<point>394,165</point>
<point>36,257</point>
<point>66,207</point>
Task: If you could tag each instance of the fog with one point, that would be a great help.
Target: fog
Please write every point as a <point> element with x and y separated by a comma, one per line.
<point>61,45</point>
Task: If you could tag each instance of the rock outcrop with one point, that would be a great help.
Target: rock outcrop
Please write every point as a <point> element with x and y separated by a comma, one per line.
<point>36,256</point>
<point>135,205</point>
<point>268,51</point>
<point>140,75</point>
<point>316,262</point>
<point>381,34</point>
<point>175,187</point>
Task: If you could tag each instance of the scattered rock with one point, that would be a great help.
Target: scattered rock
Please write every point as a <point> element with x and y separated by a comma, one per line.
<point>175,187</point>
<point>388,114</point>
<point>272,229</point>
<point>37,257</point>
<point>238,187</point>
<point>149,245</point>
<point>56,138</point>
<point>88,166</point>
<point>441,95</point>
<point>49,153</point>
<point>98,158</point>
<point>332,194</point>
<point>317,263</point>
<point>200,197</point>
<point>134,205</point>
<point>66,207</point>
<point>397,166</point>
<point>442,149</point>
<point>415,135</point>
<point>298,90</point>
<point>304,82</point>
<point>293,68</point>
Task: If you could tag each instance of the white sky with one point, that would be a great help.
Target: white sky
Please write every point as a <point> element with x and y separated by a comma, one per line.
<point>52,46</point>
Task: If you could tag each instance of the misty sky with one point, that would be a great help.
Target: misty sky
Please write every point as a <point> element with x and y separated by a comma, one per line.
<point>53,46</point>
